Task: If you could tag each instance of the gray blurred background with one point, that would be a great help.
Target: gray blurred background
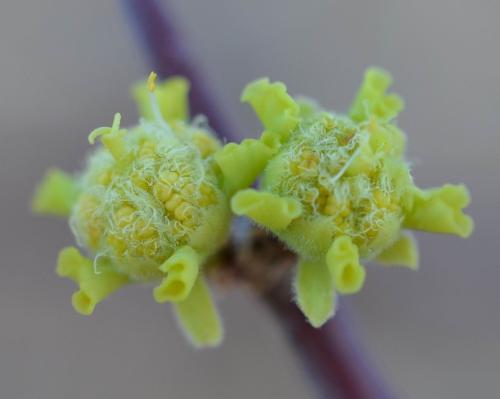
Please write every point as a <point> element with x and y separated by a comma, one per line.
<point>65,69</point>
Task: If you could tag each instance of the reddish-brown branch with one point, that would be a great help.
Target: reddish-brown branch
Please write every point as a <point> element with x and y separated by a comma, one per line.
<point>332,355</point>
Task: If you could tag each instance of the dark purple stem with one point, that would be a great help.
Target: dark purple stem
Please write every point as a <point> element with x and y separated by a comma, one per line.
<point>168,56</point>
<point>332,355</point>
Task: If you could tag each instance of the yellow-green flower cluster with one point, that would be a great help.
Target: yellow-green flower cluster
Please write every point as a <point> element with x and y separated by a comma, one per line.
<point>149,206</point>
<point>154,201</point>
<point>336,188</point>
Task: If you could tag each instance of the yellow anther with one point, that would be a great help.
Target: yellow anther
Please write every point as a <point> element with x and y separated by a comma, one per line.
<point>125,211</point>
<point>345,225</point>
<point>205,189</point>
<point>393,206</point>
<point>345,212</point>
<point>169,177</point>
<point>190,223</point>
<point>150,248</point>
<point>151,83</point>
<point>205,144</point>
<point>139,181</point>
<point>381,200</point>
<point>183,211</point>
<point>173,202</point>
<point>329,210</point>
<point>144,230</point>
<point>331,201</point>
<point>105,178</point>
<point>124,216</point>
<point>148,149</point>
<point>294,168</point>
<point>94,235</point>
<point>207,198</point>
<point>308,160</point>
<point>328,123</point>
<point>118,244</point>
<point>310,197</point>
<point>161,192</point>
<point>321,201</point>
<point>333,167</point>
<point>137,251</point>
<point>188,190</point>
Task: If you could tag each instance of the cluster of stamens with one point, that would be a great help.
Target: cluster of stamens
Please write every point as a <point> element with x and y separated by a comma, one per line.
<point>176,199</point>
<point>324,172</point>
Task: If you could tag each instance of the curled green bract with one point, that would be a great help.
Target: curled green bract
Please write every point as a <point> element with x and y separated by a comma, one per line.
<point>337,189</point>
